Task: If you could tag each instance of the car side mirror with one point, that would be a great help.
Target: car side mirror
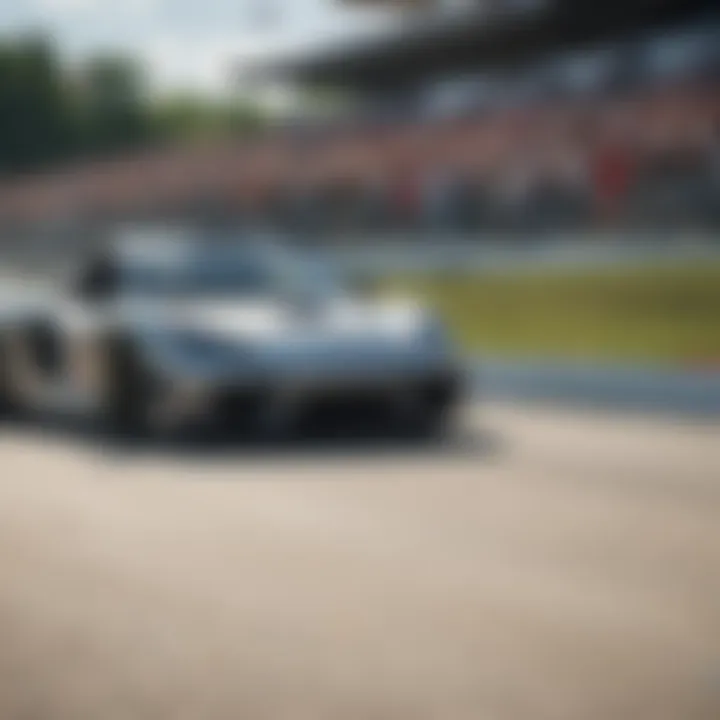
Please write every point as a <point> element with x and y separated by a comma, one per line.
<point>98,284</point>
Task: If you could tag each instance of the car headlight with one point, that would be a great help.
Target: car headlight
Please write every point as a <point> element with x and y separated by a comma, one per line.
<point>435,335</point>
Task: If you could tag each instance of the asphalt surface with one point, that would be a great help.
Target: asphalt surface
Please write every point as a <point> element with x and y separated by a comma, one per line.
<point>544,564</point>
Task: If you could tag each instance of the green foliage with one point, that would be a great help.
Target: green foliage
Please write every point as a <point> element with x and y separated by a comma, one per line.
<point>112,106</point>
<point>34,118</point>
<point>49,115</point>
<point>190,117</point>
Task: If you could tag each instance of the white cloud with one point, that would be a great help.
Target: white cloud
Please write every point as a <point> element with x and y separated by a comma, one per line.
<point>63,6</point>
<point>177,64</point>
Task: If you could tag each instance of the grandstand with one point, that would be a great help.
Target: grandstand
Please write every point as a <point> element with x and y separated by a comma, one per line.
<point>460,39</point>
<point>555,114</point>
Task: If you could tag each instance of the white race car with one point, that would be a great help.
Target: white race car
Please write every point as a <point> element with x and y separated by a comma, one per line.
<point>157,331</point>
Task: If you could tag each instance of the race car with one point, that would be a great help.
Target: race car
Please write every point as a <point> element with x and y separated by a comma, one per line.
<point>155,331</point>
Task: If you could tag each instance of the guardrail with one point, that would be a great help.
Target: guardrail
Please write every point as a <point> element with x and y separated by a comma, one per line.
<point>474,255</point>
<point>619,388</point>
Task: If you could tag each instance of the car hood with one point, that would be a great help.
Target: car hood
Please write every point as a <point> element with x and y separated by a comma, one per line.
<point>274,321</point>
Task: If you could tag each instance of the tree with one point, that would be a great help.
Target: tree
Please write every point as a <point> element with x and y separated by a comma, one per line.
<point>111,106</point>
<point>49,115</point>
<point>34,120</point>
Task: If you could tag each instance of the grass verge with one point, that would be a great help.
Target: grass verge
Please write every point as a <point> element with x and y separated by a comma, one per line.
<point>665,315</point>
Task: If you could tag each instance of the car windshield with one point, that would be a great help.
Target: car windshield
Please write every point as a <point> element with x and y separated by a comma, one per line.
<point>245,272</point>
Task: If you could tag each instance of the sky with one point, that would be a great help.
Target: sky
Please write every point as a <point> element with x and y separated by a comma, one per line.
<point>188,44</point>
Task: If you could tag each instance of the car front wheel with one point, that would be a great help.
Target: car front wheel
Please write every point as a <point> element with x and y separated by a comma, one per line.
<point>9,405</point>
<point>435,409</point>
<point>127,401</point>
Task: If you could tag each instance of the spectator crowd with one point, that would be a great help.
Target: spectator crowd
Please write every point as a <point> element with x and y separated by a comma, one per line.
<point>643,156</point>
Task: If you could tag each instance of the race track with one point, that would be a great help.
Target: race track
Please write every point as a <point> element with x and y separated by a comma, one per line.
<point>548,565</point>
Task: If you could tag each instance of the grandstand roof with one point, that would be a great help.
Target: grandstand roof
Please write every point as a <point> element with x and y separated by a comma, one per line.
<point>490,35</point>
